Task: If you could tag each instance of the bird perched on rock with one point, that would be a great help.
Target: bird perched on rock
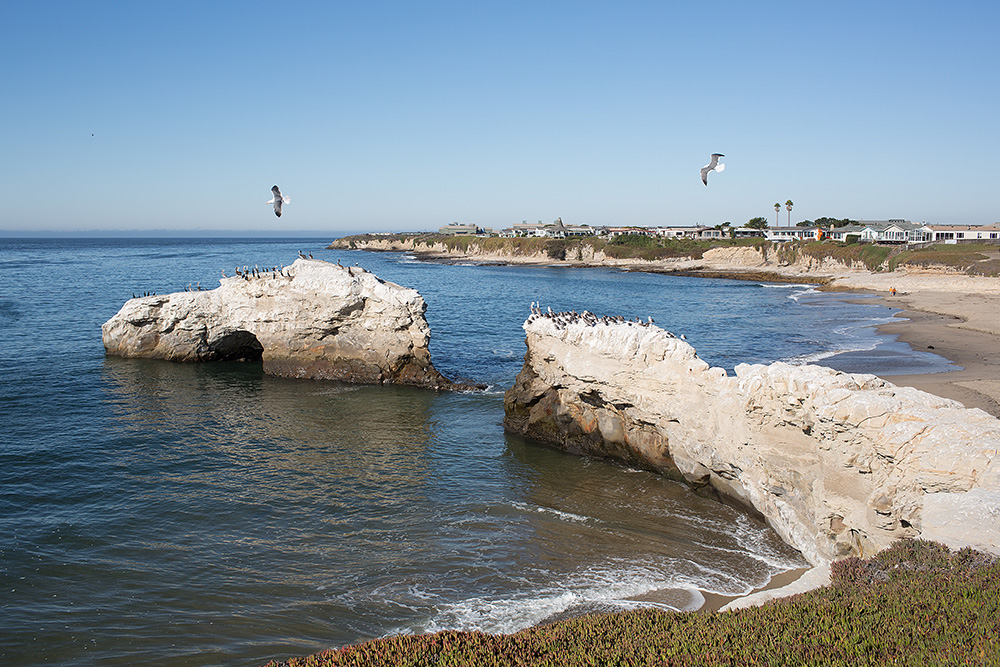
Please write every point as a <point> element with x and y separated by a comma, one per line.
<point>714,165</point>
<point>277,199</point>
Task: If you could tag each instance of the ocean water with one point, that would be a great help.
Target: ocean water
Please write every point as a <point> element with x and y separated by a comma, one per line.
<point>172,514</point>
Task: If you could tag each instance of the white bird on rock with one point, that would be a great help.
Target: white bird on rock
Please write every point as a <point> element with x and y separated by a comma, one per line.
<point>278,199</point>
<point>714,165</point>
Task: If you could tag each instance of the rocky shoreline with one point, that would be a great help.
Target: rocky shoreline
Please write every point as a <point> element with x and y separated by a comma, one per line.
<point>838,464</point>
<point>735,261</point>
<point>965,308</point>
<point>883,421</point>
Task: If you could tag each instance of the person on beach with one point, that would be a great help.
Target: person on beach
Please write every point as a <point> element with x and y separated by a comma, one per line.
<point>892,291</point>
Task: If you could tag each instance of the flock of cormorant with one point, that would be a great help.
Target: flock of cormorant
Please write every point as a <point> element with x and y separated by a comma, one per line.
<point>249,273</point>
<point>256,272</point>
<point>563,318</point>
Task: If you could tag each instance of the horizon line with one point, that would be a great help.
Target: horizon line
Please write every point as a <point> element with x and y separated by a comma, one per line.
<point>174,233</point>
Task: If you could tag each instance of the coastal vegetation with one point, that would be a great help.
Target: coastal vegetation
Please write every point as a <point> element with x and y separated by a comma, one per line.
<point>638,246</point>
<point>916,603</point>
<point>626,246</point>
<point>974,258</point>
<point>971,258</point>
<point>872,257</point>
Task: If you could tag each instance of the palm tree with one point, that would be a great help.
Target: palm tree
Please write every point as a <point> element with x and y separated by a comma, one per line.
<point>788,205</point>
<point>777,207</point>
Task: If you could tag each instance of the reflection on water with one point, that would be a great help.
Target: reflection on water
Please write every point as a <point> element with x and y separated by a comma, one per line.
<point>243,517</point>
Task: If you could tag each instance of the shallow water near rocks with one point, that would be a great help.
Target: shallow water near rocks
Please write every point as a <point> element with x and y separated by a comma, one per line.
<point>178,514</point>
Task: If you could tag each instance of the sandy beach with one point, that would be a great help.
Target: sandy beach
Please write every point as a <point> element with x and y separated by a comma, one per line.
<point>954,316</point>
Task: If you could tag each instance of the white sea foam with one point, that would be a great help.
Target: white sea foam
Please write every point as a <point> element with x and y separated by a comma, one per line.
<point>798,294</point>
<point>614,587</point>
<point>850,339</point>
<point>791,286</point>
<point>816,357</point>
<point>850,328</point>
<point>755,543</point>
<point>797,290</point>
<point>567,516</point>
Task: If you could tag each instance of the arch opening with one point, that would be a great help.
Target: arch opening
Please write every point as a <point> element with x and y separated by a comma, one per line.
<point>237,346</point>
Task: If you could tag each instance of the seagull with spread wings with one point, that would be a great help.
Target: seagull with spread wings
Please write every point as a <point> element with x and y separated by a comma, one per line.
<point>714,165</point>
<point>278,199</point>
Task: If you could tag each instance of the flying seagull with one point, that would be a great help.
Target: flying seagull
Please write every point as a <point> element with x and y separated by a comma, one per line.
<point>714,165</point>
<point>278,199</point>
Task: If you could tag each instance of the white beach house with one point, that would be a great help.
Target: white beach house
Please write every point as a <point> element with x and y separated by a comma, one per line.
<point>965,233</point>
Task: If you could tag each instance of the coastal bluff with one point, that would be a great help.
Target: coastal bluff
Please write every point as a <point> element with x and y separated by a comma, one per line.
<point>838,464</point>
<point>312,319</point>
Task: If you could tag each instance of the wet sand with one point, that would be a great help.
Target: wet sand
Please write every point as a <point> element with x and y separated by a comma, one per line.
<point>958,319</point>
<point>715,602</point>
<point>977,385</point>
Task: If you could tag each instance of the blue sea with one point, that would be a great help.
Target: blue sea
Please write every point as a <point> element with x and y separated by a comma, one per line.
<point>175,514</point>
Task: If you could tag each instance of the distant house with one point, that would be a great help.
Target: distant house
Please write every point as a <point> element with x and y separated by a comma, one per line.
<point>841,233</point>
<point>460,229</point>
<point>555,230</point>
<point>528,229</point>
<point>965,233</point>
<point>893,231</point>
<point>580,230</point>
<point>874,231</point>
<point>896,231</point>
<point>622,231</point>
<point>696,232</point>
<point>678,232</point>
<point>779,234</point>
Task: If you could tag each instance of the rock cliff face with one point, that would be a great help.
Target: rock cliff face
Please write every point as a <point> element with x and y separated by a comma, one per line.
<point>722,260</point>
<point>311,320</point>
<point>838,464</point>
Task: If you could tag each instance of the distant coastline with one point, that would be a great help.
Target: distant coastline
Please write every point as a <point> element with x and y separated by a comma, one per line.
<point>949,296</point>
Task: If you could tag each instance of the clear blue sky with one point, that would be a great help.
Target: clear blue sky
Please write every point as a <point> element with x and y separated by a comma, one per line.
<point>409,115</point>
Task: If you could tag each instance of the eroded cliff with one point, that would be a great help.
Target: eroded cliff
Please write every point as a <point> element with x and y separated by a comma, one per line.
<point>837,463</point>
<point>312,319</point>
